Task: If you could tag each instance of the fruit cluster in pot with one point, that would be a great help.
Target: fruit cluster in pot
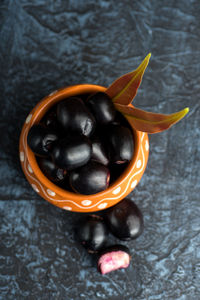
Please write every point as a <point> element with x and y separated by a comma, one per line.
<point>124,221</point>
<point>82,144</point>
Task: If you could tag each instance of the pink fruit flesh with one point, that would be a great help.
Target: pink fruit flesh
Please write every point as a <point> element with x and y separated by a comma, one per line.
<point>113,261</point>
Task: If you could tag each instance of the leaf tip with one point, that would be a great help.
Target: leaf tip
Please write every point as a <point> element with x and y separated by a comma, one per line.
<point>184,112</point>
<point>149,55</point>
<point>147,58</point>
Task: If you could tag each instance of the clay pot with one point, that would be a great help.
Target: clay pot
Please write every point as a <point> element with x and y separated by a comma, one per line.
<point>68,200</point>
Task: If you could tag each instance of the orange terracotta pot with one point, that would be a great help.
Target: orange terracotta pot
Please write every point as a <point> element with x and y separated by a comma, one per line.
<point>68,200</point>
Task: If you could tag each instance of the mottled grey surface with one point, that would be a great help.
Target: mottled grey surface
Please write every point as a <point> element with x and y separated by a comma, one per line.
<point>45,45</point>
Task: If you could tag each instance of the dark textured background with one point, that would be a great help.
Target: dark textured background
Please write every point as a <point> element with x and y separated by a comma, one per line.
<point>45,45</point>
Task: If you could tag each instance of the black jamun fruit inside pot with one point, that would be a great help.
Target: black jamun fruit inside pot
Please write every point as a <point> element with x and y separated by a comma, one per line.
<point>120,143</point>
<point>116,170</point>
<point>87,138</point>
<point>73,115</point>
<point>92,178</point>
<point>99,152</point>
<point>41,139</point>
<point>72,152</point>
<point>50,119</point>
<point>102,108</point>
<point>51,171</point>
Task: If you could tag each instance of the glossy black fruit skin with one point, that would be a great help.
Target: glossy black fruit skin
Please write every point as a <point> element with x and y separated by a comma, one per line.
<point>51,171</point>
<point>102,108</point>
<point>92,233</point>
<point>121,120</point>
<point>125,220</point>
<point>90,179</point>
<point>50,119</point>
<point>72,152</point>
<point>73,115</point>
<point>120,143</point>
<point>116,170</point>
<point>41,139</point>
<point>98,152</point>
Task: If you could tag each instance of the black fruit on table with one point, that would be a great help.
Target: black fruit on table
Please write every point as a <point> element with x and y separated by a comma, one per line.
<point>92,233</point>
<point>124,220</point>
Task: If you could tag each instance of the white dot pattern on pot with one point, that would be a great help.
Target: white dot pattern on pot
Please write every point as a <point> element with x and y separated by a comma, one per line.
<point>35,188</point>
<point>28,118</point>
<point>133,184</point>
<point>146,146</point>
<point>86,202</point>
<point>51,193</point>
<point>139,163</point>
<point>67,207</point>
<point>102,205</point>
<point>117,190</point>
<point>30,169</point>
<point>52,93</point>
<point>21,156</point>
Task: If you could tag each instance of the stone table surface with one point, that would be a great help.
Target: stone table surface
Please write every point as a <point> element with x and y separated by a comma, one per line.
<point>45,45</point>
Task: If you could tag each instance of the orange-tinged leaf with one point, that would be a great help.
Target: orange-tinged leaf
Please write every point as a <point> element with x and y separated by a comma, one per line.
<point>150,122</point>
<point>124,89</point>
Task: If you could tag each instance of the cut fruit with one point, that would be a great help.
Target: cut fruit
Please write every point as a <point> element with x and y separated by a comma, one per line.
<point>114,258</point>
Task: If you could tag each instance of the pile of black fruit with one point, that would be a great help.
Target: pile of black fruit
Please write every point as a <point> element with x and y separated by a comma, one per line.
<point>124,221</point>
<point>81,144</point>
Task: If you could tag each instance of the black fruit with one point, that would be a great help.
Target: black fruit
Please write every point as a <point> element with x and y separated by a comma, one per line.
<point>114,258</point>
<point>116,170</point>
<point>73,115</point>
<point>121,120</point>
<point>92,233</point>
<point>125,220</point>
<point>98,152</point>
<point>51,171</point>
<point>72,152</point>
<point>41,139</point>
<point>50,119</point>
<point>64,184</point>
<point>90,179</point>
<point>120,143</point>
<point>102,108</point>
